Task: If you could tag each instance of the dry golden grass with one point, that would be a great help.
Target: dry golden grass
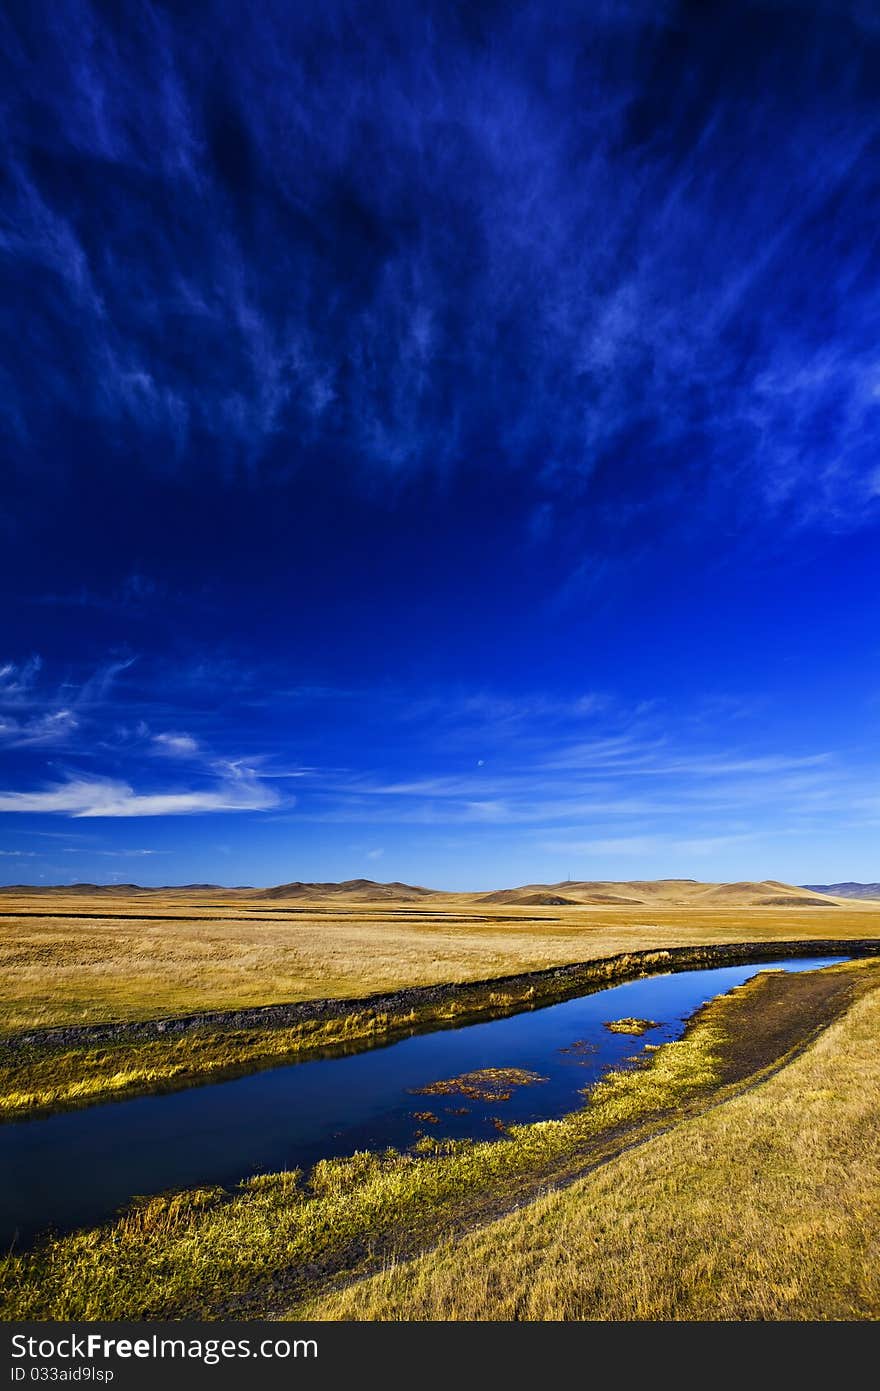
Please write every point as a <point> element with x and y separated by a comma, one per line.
<point>210,952</point>
<point>767,1207</point>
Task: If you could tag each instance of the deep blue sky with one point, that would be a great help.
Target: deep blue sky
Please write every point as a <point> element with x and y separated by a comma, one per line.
<point>440,441</point>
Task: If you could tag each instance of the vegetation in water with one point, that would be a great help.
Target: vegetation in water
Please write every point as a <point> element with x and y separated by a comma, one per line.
<point>484,1084</point>
<point>581,1048</point>
<point>631,1026</point>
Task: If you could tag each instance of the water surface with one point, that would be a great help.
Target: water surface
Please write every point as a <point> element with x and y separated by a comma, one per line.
<point>78,1168</point>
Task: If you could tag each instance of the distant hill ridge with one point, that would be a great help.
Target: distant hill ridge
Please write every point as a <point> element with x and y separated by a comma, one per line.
<point>846,890</point>
<point>117,889</point>
<point>349,888</point>
<point>648,893</point>
<point>658,892</point>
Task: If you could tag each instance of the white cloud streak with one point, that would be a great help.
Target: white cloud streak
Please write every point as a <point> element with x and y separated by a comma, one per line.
<point>240,790</point>
<point>176,745</point>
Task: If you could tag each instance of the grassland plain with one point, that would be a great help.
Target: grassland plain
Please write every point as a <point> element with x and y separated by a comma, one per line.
<point>764,1208</point>
<point>278,1241</point>
<point>77,961</point>
<point>81,959</point>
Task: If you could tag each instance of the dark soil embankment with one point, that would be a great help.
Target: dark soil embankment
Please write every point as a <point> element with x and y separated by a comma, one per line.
<point>780,1013</point>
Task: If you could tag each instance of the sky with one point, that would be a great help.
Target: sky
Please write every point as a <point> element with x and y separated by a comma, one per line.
<point>439,441</point>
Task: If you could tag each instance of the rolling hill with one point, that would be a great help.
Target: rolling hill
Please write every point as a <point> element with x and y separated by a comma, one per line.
<point>647,893</point>
<point>769,893</point>
<point>355,890</point>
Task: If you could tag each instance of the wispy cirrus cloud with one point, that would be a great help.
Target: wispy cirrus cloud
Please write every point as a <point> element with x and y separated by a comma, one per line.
<point>28,684</point>
<point>18,679</point>
<point>42,731</point>
<point>33,723</point>
<point>134,592</point>
<point>612,226</point>
<point>96,689</point>
<point>38,713</point>
<point>637,769</point>
<point>112,854</point>
<point>642,847</point>
<point>597,777</point>
<point>660,760</point>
